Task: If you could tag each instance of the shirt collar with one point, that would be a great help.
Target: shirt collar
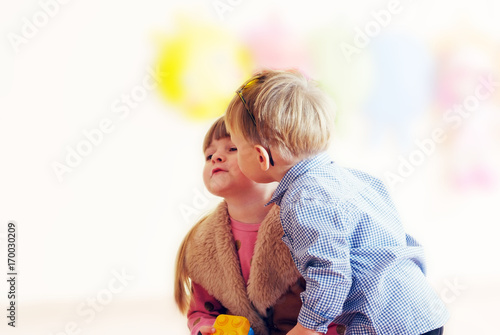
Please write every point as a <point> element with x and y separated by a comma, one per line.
<point>297,170</point>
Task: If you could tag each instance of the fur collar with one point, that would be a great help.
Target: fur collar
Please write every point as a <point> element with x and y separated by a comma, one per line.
<point>212,262</point>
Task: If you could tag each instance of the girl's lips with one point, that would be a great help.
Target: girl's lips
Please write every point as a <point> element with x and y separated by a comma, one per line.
<point>214,171</point>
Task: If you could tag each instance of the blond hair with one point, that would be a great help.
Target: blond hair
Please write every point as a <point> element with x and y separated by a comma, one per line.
<point>183,290</point>
<point>292,114</point>
<point>182,282</point>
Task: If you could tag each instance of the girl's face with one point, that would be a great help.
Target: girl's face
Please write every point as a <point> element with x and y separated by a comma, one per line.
<point>222,175</point>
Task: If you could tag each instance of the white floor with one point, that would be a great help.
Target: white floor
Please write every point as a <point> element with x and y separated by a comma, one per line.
<point>473,304</point>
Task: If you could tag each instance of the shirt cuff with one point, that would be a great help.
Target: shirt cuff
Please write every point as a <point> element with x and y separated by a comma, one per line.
<point>310,320</point>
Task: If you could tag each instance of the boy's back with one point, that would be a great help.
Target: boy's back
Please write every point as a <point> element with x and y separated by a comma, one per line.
<point>349,244</point>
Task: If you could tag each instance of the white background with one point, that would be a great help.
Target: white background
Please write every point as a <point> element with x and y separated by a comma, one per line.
<point>120,209</point>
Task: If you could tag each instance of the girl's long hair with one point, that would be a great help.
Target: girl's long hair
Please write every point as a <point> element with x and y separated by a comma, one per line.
<point>182,282</point>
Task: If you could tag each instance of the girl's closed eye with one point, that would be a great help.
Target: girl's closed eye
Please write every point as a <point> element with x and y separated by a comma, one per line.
<point>233,149</point>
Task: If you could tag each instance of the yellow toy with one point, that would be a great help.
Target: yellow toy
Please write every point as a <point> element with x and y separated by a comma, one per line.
<point>232,325</point>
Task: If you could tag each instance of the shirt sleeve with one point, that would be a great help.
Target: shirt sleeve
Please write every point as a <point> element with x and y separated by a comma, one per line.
<point>203,310</point>
<point>317,235</point>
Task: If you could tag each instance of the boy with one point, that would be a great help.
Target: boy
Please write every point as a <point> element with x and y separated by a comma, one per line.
<point>342,229</point>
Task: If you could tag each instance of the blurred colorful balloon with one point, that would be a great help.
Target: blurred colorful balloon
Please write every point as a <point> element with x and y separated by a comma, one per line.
<point>346,81</point>
<point>202,67</point>
<point>464,57</point>
<point>402,86</point>
<point>274,45</point>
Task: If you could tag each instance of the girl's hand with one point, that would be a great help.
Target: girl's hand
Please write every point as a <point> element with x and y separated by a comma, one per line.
<point>299,330</point>
<point>206,330</point>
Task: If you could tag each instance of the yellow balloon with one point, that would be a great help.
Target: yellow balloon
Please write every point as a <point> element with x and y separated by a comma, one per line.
<point>202,67</point>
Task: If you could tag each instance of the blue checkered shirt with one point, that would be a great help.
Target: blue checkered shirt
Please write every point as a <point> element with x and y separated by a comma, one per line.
<point>362,270</point>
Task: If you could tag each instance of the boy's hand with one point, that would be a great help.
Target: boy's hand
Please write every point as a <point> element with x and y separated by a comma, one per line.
<point>206,330</point>
<point>299,330</point>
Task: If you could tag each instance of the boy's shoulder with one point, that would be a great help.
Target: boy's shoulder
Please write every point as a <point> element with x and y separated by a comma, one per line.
<point>333,183</point>
<point>320,182</point>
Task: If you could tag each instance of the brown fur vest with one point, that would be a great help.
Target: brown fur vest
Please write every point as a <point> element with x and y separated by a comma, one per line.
<point>271,299</point>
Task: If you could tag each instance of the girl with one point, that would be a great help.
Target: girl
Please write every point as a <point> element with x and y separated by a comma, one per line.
<point>233,261</point>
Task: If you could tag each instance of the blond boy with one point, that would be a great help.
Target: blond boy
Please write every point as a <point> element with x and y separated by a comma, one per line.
<point>361,269</point>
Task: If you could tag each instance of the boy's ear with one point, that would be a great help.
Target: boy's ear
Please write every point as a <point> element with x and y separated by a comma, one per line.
<point>263,156</point>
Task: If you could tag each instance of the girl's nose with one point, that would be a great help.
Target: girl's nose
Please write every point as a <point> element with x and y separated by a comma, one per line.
<point>218,157</point>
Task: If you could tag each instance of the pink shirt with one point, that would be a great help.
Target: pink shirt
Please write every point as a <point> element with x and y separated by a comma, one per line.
<point>245,236</point>
<point>204,307</point>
